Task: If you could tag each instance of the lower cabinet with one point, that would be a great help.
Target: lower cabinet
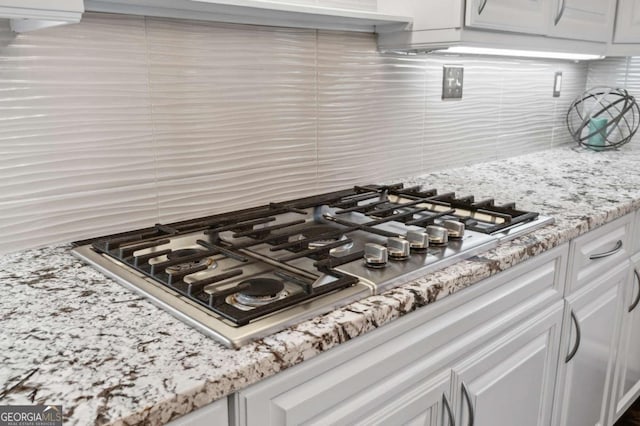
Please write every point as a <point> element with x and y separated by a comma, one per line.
<point>627,374</point>
<point>426,404</point>
<point>589,346</point>
<point>214,414</point>
<point>511,381</point>
<point>491,361</point>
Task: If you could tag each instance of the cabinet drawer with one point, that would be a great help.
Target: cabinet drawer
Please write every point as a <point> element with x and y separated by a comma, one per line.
<point>597,252</point>
<point>345,385</point>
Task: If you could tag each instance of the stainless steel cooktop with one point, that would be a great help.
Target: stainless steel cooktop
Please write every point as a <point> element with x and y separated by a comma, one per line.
<point>243,275</point>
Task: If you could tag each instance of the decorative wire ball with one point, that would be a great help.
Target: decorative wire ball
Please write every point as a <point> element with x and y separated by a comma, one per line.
<point>603,118</point>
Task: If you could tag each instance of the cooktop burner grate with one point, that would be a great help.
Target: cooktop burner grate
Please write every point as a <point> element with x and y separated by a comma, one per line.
<point>218,272</point>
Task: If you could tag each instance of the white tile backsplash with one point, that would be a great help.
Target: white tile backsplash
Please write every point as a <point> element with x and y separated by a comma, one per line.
<point>370,112</point>
<point>121,122</point>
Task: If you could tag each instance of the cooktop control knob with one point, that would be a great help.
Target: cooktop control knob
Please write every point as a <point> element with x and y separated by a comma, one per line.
<point>375,255</point>
<point>398,248</point>
<point>438,235</point>
<point>454,227</point>
<point>418,241</point>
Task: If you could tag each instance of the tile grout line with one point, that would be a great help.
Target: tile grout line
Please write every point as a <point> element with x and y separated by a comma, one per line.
<point>317,110</point>
<point>151,116</point>
<point>424,118</point>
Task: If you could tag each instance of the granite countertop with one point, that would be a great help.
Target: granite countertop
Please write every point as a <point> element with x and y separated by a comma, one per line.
<point>71,336</point>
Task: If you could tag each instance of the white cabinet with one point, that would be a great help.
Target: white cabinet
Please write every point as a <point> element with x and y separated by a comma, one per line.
<point>584,25</point>
<point>627,22</point>
<point>28,15</point>
<point>323,14</point>
<point>214,414</point>
<point>626,387</point>
<point>588,349</point>
<point>511,381</point>
<point>402,373</point>
<point>523,16</point>
<point>426,404</point>
<point>583,19</point>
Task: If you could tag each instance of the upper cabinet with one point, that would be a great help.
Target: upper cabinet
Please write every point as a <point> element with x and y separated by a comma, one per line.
<point>346,15</point>
<point>522,16</point>
<point>28,15</point>
<point>570,26</point>
<point>583,19</point>
<point>627,22</point>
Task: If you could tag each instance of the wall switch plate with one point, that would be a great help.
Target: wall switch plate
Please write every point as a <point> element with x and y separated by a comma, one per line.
<point>452,79</point>
<point>557,84</point>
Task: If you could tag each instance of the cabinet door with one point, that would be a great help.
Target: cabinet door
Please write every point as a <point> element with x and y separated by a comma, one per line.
<point>590,338</point>
<point>428,404</point>
<point>627,376</point>
<point>214,414</point>
<point>627,22</point>
<point>583,19</point>
<point>523,16</point>
<point>510,382</point>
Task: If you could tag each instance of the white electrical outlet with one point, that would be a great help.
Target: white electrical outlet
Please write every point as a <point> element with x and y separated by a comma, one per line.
<point>452,79</point>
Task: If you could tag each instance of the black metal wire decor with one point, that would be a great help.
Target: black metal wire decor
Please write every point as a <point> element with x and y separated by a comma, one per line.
<point>603,118</point>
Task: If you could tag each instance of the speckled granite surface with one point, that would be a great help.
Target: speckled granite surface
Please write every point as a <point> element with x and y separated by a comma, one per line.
<point>71,336</point>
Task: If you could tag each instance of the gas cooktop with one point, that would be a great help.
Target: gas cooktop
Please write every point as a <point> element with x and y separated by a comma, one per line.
<point>243,275</point>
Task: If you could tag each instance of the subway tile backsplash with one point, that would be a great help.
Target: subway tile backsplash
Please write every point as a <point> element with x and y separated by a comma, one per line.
<point>121,121</point>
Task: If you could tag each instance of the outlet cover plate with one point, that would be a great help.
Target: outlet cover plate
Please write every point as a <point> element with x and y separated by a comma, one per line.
<point>557,84</point>
<point>452,80</point>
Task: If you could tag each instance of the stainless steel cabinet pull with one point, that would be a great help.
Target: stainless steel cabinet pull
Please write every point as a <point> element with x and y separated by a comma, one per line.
<point>447,407</point>
<point>483,3</point>
<point>465,394</point>
<point>560,13</point>
<point>607,253</point>
<point>635,302</point>
<point>577,344</point>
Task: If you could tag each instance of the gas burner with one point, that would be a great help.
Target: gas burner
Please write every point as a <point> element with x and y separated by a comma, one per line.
<point>181,253</point>
<point>314,231</point>
<point>259,291</point>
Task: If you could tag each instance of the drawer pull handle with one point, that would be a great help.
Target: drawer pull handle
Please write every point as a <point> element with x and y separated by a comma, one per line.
<point>607,253</point>
<point>577,344</point>
<point>483,3</point>
<point>560,13</point>
<point>465,394</point>
<point>635,302</point>
<point>447,407</point>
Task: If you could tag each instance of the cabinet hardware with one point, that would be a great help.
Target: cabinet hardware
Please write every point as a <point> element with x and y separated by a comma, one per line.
<point>483,3</point>
<point>607,253</point>
<point>635,302</point>
<point>447,407</point>
<point>465,394</point>
<point>560,13</point>
<point>577,344</point>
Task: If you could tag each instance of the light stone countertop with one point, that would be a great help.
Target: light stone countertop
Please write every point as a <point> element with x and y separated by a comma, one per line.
<point>71,336</point>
